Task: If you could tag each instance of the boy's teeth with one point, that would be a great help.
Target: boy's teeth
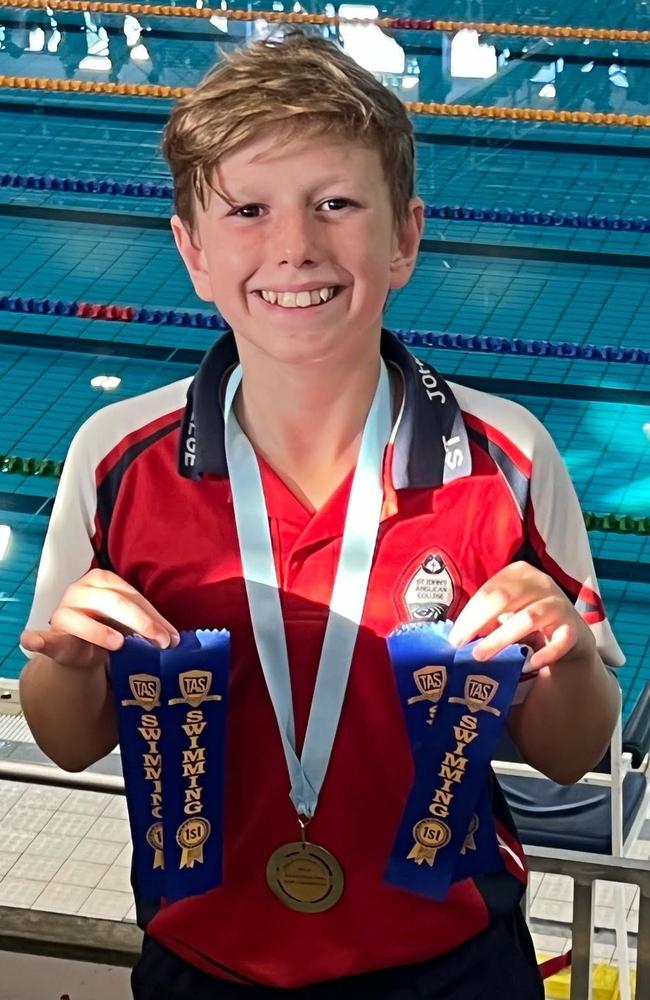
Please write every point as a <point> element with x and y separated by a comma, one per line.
<point>299,300</point>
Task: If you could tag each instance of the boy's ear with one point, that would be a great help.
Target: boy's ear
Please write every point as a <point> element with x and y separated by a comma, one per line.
<point>193,258</point>
<point>407,242</point>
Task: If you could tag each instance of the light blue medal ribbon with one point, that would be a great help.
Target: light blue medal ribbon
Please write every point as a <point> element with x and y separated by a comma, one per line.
<point>348,595</point>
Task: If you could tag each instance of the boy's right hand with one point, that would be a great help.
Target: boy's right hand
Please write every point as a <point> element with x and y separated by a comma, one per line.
<point>94,616</point>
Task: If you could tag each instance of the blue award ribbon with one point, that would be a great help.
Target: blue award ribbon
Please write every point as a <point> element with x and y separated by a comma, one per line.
<point>135,679</point>
<point>194,698</point>
<point>479,853</point>
<point>455,708</point>
<point>171,710</point>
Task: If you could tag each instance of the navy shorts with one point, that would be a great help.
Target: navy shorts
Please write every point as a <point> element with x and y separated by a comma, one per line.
<point>498,964</point>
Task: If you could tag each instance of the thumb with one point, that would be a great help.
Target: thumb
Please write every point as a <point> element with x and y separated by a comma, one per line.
<point>65,649</point>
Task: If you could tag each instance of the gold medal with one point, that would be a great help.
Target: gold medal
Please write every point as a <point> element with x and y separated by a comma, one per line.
<point>305,877</point>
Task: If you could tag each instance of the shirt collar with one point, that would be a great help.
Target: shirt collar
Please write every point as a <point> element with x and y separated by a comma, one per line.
<point>430,444</point>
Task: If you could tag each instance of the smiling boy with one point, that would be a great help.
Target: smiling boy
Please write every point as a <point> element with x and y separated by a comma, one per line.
<point>296,216</point>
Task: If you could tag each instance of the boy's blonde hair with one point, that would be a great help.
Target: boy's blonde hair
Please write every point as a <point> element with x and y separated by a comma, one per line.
<point>302,86</point>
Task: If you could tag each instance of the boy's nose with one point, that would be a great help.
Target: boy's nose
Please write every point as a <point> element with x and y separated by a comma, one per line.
<point>296,242</point>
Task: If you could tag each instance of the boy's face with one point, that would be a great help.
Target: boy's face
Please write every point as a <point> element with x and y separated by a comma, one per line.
<point>309,220</point>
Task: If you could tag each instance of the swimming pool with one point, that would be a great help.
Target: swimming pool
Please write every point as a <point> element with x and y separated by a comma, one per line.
<point>476,277</point>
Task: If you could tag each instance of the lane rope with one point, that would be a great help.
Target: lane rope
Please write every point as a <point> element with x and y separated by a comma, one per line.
<point>460,213</point>
<point>430,339</point>
<point>619,524</point>
<point>394,23</point>
<point>432,108</point>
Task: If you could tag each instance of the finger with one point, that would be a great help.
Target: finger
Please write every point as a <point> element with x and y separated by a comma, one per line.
<point>65,649</point>
<point>509,590</point>
<point>107,581</point>
<point>125,611</point>
<point>80,625</point>
<point>483,611</point>
<point>560,644</point>
<point>517,628</point>
<point>32,640</point>
<point>533,639</point>
<point>557,635</point>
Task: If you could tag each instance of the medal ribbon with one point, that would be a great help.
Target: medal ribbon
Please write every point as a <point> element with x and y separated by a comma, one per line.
<point>348,595</point>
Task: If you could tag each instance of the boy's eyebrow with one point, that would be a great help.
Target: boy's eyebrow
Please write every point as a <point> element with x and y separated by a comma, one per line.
<point>245,194</point>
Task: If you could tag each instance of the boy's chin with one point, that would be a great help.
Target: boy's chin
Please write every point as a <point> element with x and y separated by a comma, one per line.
<point>306,346</point>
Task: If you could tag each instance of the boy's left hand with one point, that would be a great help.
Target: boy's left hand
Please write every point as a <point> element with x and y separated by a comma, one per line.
<point>522,604</point>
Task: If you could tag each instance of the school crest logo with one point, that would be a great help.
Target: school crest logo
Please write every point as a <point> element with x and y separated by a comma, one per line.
<point>429,591</point>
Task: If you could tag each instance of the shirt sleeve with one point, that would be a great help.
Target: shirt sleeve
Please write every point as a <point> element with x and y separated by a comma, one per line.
<point>76,539</point>
<point>68,551</point>
<point>556,541</point>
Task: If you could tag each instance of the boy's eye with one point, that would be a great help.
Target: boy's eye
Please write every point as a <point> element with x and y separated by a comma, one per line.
<point>252,210</point>
<point>247,211</point>
<point>334,204</point>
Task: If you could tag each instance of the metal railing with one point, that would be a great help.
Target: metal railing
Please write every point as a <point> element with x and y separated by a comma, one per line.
<point>61,935</point>
<point>585,869</point>
<point>64,935</point>
<point>49,774</point>
<point>111,941</point>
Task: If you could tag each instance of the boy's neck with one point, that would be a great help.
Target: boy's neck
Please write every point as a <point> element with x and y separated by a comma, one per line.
<point>306,421</point>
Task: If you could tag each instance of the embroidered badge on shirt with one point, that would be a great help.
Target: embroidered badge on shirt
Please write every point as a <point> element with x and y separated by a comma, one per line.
<point>430,591</point>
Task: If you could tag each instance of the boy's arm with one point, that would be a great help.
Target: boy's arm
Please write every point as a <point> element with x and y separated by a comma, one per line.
<point>64,691</point>
<point>69,710</point>
<point>550,600</point>
<point>565,724</point>
<point>78,615</point>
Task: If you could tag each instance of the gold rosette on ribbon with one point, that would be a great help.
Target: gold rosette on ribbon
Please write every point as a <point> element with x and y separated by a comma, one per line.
<point>191,836</point>
<point>155,840</point>
<point>429,835</point>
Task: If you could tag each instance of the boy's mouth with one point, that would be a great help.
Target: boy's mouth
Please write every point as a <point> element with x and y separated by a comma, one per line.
<point>300,300</point>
